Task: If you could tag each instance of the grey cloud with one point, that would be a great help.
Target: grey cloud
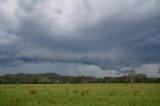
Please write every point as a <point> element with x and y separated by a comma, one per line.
<point>103,33</point>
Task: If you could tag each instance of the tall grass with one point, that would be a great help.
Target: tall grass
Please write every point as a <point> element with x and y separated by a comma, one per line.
<point>80,95</point>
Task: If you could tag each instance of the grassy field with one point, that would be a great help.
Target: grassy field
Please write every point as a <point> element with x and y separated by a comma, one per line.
<point>80,95</point>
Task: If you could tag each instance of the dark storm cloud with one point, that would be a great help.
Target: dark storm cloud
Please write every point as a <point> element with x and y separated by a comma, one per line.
<point>103,33</point>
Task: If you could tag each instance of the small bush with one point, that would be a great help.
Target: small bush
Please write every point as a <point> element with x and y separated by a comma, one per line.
<point>135,92</point>
<point>33,92</point>
<point>82,93</point>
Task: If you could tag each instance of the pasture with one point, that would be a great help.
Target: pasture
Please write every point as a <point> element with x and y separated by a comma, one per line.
<point>80,95</point>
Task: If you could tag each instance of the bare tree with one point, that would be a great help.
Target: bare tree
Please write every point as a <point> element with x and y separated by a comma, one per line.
<point>131,75</point>
<point>159,72</point>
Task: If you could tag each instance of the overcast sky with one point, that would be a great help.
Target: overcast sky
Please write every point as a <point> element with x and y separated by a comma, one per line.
<point>80,37</point>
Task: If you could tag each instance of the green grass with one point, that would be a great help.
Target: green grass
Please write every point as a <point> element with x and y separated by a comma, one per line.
<point>80,95</point>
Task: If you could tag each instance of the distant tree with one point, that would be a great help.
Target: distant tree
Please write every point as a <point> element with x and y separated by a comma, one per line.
<point>131,75</point>
<point>49,78</point>
<point>140,78</point>
<point>159,72</point>
<point>125,79</point>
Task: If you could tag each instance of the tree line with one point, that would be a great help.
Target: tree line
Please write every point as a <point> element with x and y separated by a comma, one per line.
<point>53,78</point>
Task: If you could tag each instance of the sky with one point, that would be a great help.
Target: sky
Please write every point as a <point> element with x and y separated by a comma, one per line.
<point>80,37</point>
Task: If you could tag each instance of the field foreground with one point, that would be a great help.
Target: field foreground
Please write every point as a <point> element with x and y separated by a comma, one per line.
<point>80,95</point>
